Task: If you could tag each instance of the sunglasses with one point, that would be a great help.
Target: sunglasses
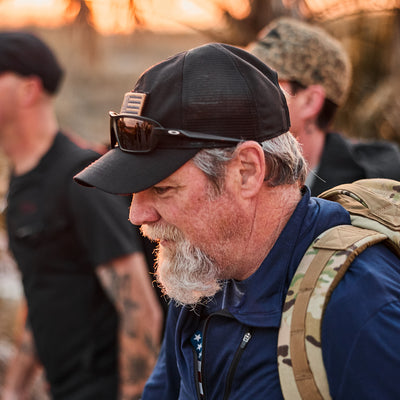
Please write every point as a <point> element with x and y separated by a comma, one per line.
<point>141,135</point>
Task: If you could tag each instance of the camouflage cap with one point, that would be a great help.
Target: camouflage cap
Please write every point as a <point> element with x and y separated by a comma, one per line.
<point>307,54</point>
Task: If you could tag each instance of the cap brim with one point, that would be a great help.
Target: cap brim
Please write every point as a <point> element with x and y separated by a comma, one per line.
<point>118,172</point>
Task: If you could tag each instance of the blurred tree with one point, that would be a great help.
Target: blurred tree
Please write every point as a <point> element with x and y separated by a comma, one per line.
<point>84,15</point>
<point>241,31</point>
<point>83,28</point>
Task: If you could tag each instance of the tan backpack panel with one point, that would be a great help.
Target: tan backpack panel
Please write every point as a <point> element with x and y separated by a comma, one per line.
<point>374,206</point>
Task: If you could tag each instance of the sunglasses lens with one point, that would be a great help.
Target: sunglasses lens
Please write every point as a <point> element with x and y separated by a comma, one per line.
<point>137,134</point>
<point>134,134</point>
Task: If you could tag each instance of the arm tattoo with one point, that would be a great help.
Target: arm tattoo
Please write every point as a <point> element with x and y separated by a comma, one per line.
<point>137,369</point>
<point>138,347</point>
<point>119,289</point>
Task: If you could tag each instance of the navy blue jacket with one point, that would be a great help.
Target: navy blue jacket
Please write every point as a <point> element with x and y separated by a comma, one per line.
<point>361,328</point>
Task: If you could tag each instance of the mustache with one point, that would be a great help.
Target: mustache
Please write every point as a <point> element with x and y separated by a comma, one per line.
<point>159,231</point>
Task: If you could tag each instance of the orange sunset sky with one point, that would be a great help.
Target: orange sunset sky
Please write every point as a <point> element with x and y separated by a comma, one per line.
<point>112,16</point>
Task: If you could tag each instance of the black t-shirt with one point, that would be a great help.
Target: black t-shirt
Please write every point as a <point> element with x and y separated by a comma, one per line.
<point>59,232</point>
<point>344,161</point>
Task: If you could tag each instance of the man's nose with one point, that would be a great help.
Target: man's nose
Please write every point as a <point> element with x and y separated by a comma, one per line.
<point>142,211</point>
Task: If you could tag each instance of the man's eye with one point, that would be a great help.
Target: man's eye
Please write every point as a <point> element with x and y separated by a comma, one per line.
<point>161,189</point>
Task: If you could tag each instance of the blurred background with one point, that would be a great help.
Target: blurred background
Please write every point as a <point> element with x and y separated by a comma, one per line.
<point>104,45</point>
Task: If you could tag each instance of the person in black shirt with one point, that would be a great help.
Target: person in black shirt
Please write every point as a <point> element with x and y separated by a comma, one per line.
<point>94,321</point>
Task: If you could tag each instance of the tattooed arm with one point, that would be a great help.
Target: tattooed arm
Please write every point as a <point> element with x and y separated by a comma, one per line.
<point>22,370</point>
<point>128,284</point>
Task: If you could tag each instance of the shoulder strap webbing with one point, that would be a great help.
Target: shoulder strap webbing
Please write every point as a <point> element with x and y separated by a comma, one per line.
<point>325,262</point>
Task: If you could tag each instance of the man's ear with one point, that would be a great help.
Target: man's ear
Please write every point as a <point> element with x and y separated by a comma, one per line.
<point>313,98</point>
<point>250,168</point>
<point>30,90</point>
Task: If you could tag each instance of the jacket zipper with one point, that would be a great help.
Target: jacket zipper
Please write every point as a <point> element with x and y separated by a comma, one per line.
<point>246,338</point>
<point>232,369</point>
<point>202,361</point>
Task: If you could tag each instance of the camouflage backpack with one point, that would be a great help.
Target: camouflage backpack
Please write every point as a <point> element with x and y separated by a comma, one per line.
<point>374,206</point>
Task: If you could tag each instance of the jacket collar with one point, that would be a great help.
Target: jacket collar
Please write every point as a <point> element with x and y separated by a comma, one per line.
<point>258,300</point>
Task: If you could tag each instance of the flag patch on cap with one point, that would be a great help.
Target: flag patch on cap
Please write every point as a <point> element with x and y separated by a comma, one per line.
<point>133,103</point>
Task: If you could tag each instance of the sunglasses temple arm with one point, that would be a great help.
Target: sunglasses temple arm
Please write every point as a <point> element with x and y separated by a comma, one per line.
<point>205,136</point>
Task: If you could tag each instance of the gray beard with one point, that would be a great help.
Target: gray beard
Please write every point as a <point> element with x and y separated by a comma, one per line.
<point>184,272</point>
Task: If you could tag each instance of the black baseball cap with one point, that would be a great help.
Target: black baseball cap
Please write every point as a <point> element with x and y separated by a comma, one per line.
<point>24,53</point>
<point>202,95</point>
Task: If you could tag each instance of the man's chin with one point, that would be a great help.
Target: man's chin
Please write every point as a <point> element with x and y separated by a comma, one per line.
<point>191,294</point>
<point>191,299</point>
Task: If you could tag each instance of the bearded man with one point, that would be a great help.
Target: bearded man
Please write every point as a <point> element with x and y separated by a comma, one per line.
<point>202,143</point>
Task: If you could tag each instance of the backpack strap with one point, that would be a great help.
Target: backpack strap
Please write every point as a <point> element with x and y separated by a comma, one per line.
<point>300,363</point>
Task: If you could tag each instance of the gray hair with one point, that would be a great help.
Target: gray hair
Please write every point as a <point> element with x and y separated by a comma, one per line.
<point>283,158</point>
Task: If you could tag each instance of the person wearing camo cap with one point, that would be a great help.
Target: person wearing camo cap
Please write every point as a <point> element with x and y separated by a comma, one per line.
<point>315,72</point>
